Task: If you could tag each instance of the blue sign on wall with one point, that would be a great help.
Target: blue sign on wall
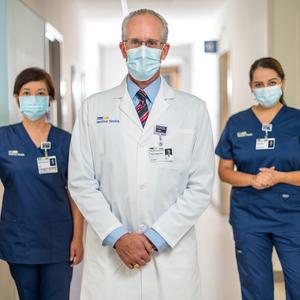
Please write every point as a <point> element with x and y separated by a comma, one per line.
<point>211,46</point>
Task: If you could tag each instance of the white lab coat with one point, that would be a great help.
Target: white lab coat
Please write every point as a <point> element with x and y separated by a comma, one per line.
<point>114,183</point>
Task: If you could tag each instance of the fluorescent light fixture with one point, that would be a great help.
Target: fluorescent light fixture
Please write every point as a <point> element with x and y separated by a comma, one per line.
<point>63,88</point>
<point>124,7</point>
<point>53,34</point>
<point>50,36</point>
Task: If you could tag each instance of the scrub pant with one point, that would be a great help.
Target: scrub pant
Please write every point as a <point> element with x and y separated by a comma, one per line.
<point>254,259</point>
<point>43,281</point>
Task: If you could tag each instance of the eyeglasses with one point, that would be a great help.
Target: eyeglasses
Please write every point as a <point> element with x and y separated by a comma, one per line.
<point>135,43</point>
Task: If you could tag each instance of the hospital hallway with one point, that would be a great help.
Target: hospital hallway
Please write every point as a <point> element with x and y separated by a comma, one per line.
<point>213,43</point>
<point>219,276</point>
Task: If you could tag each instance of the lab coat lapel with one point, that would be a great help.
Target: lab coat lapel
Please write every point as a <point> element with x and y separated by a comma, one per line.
<point>126,105</point>
<point>160,105</point>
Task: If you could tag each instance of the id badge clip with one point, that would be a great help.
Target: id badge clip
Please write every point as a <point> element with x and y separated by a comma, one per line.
<point>266,128</point>
<point>46,146</point>
<point>161,131</point>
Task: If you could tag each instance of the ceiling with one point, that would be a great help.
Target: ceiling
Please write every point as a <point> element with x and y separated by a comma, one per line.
<point>106,8</point>
<point>188,7</point>
<point>103,18</point>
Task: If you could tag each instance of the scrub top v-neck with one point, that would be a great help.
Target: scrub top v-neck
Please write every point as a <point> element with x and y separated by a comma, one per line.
<point>27,139</point>
<point>276,208</point>
<point>36,221</point>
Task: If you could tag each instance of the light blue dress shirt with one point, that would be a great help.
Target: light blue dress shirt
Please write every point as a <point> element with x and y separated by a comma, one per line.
<point>157,240</point>
<point>151,90</point>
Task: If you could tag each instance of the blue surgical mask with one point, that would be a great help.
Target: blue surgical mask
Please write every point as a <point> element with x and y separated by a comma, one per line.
<point>268,96</point>
<point>34,107</point>
<point>143,62</point>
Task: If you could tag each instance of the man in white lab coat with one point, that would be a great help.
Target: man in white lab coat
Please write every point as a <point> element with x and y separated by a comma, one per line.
<point>141,172</point>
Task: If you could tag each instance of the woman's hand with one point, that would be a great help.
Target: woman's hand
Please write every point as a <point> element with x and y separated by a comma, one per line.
<point>76,251</point>
<point>264,179</point>
<point>76,247</point>
<point>275,175</point>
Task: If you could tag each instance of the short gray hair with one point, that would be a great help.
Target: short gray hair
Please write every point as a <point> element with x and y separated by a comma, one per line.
<point>145,11</point>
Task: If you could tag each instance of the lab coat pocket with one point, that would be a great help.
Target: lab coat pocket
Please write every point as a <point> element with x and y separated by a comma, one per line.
<point>99,256</point>
<point>12,240</point>
<point>181,141</point>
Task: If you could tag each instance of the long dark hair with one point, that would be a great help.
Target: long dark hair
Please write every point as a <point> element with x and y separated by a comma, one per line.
<point>268,63</point>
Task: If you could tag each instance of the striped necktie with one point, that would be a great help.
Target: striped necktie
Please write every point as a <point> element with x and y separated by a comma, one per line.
<point>142,108</point>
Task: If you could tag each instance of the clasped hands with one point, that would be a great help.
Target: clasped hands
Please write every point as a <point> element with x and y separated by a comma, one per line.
<point>134,250</point>
<point>266,178</point>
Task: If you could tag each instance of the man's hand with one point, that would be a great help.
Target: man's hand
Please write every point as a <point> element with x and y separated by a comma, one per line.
<point>134,249</point>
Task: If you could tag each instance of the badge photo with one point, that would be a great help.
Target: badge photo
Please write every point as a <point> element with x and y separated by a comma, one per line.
<point>169,154</point>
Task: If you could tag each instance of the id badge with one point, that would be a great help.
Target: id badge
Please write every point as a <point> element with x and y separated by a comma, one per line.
<point>47,165</point>
<point>161,130</point>
<point>265,144</point>
<point>161,154</point>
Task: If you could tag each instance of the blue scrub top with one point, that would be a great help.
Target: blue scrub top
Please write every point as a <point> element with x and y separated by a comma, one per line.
<point>36,221</point>
<point>276,209</point>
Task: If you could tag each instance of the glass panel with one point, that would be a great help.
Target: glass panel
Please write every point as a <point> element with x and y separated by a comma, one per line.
<point>25,45</point>
<point>3,68</point>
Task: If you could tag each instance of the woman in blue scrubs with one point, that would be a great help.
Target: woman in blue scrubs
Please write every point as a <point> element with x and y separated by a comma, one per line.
<point>41,227</point>
<point>260,157</point>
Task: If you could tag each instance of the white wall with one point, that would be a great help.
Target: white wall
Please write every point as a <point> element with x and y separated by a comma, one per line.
<point>78,47</point>
<point>4,116</point>
<point>113,67</point>
<point>23,50</point>
<point>18,51</point>
<point>242,28</point>
<point>244,33</point>
<point>284,43</point>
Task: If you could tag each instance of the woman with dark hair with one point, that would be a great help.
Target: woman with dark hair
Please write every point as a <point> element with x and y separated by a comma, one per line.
<point>41,227</point>
<point>260,157</point>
